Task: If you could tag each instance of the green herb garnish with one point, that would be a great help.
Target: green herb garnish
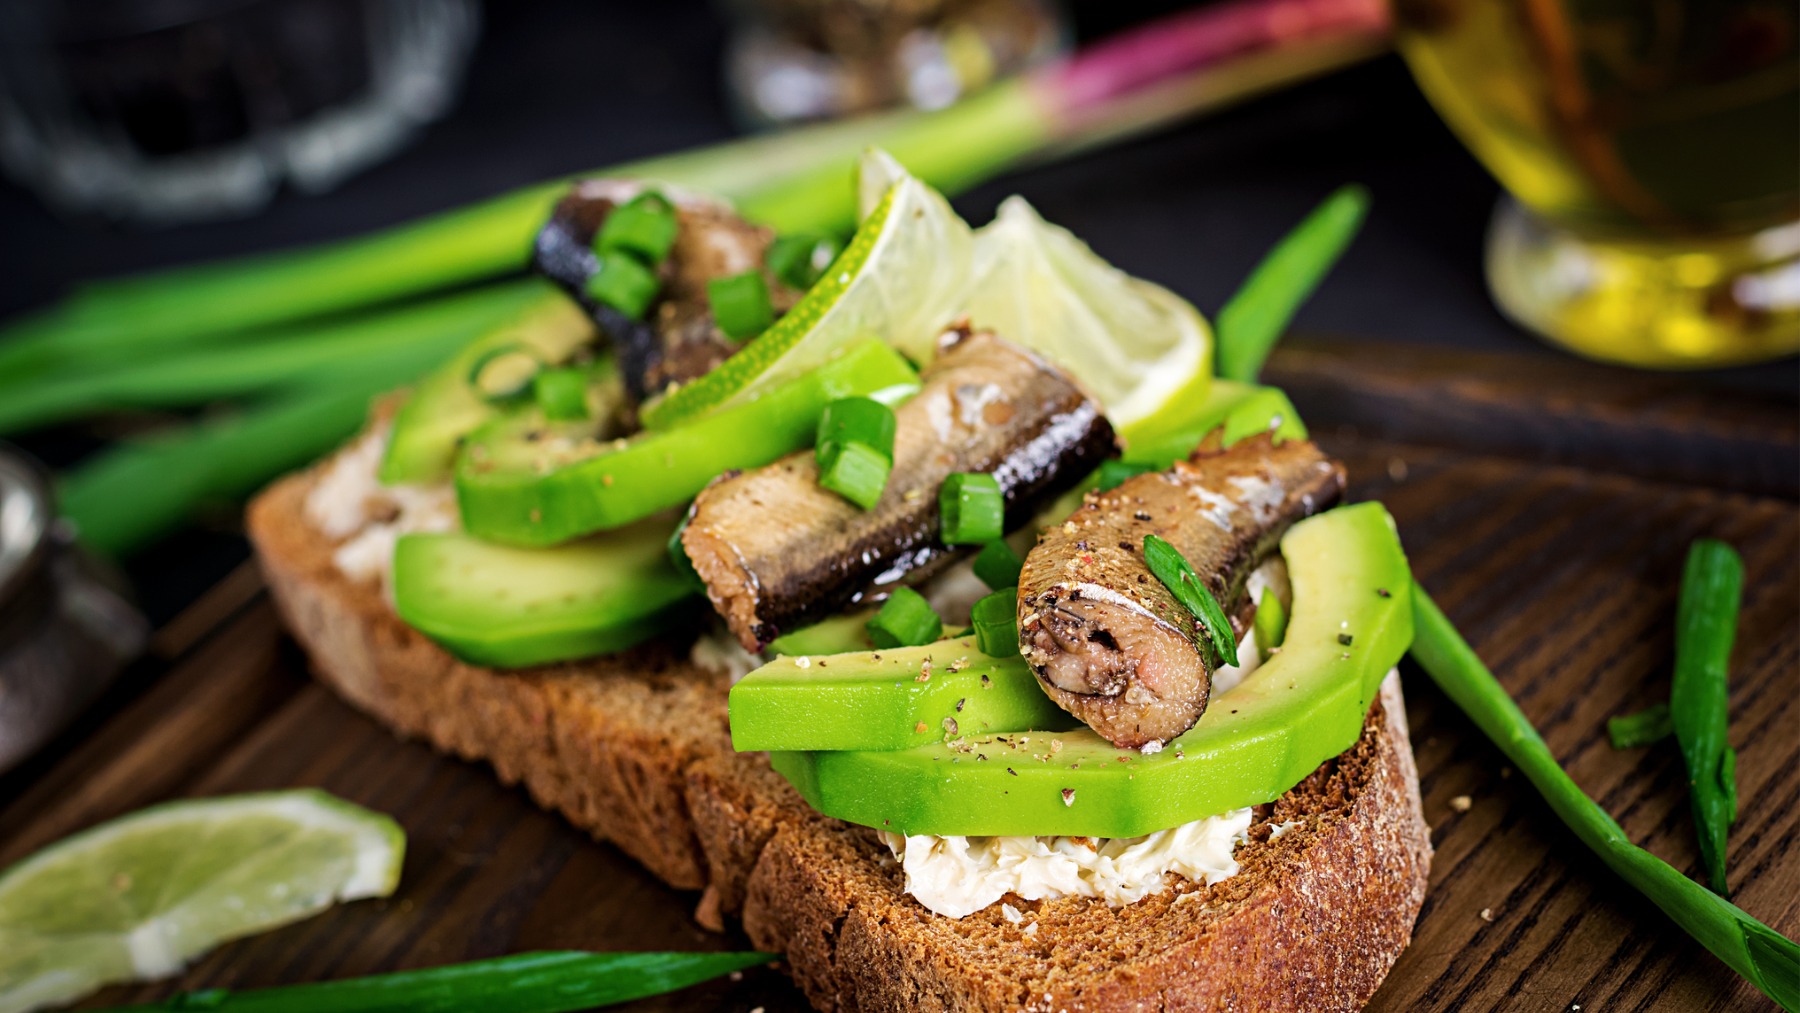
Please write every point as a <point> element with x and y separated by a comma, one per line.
<point>644,226</point>
<point>971,509</point>
<point>562,394</point>
<point>1113,474</point>
<point>997,565</point>
<point>1712,585</point>
<point>623,283</point>
<point>855,471</point>
<point>740,304</point>
<point>550,982</point>
<point>906,619</point>
<point>859,420</point>
<point>1650,725</point>
<point>1763,956</point>
<point>995,620</point>
<point>1172,568</point>
<point>1253,319</point>
<point>800,258</point>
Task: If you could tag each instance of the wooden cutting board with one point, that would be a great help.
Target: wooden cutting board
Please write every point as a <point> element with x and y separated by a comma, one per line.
<point>1546,504</point>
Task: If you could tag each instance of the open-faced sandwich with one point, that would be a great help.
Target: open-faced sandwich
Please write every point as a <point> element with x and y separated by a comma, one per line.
<point>926,604</point>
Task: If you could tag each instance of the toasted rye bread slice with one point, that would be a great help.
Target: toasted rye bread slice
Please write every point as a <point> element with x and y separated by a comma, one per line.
<point>636,750</point>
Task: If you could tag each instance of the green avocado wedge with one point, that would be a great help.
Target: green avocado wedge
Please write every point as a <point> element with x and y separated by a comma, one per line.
<point>1306,705</point>
<point>549,492</point>
<point>511,607</point>
<point>443,407</point>
<point>887,700</point>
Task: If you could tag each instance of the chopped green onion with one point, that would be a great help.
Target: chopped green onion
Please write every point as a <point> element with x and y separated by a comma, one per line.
<point>562,394</point>
<point>1270,624</point>
<point>678,556</point>
<point>1760,954</point>
<point>801,258</point>
<point>1712,586</point>
<point>855,471</point>
<point>997,565</point>
<point>644,226</point>
<point>1114,473</point>
<point>1254,317</point>
<point>505,373</point>
<point>905,620</point>
<point>624,284</point>
<point>858,420</point>
<point>996,621</point>
<point>740,304</point>
<point>1171,567</point>
<point>551,982</point>
<point>971,508</point>
<point>1648,726</point>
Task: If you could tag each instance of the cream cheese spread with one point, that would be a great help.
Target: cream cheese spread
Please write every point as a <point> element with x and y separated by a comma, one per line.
<point>349,503</point>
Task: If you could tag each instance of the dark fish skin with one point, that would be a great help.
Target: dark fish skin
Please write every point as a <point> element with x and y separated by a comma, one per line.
<point>1109,643</point>
<point>678,341</point>
<point>777,552</point>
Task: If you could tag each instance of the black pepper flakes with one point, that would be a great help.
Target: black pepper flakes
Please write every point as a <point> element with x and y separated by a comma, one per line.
<point>959,704</point>
<point>1345,639</point>
<point>1384,592</point>
<point>1142,515</point>
<point>1013,772</point>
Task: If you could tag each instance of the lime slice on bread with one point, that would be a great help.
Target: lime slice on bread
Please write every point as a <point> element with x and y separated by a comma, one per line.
<point>142,895</point>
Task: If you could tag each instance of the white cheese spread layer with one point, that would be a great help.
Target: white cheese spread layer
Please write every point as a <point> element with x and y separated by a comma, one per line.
<point>350,503</point>
<point>957,876</point>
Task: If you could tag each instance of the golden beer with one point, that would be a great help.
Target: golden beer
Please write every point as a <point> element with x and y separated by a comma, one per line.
<point>1653,149</point>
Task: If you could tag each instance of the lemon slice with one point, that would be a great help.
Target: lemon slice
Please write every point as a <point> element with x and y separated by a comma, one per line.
<point>140,896</point>
<point>1135,346</point>
<point>900,279</point>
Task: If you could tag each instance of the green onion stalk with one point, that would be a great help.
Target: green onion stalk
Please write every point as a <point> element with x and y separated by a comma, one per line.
<point>796,180</point>
<point>1712,585</point>
<point>548,982</point>
<point>1761,955</point>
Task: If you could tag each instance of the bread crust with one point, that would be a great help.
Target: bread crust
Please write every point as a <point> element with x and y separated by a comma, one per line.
<point>635,749</point>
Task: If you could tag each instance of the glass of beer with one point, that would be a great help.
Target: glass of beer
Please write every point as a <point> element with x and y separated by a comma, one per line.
<point>1651,151</point>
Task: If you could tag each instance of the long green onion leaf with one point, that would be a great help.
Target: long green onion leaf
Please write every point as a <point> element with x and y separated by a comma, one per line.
<point>1253,318</point>
<point>1147,78</point>
<point>1763,956</point>
<point>1712,585</point>
<point>404,342</point>
<point>1648,726</point>
<point>550,982</point>
<point>1177,574</point>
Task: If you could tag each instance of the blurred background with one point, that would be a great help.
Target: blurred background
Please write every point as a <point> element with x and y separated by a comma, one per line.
<point>1655,148</point>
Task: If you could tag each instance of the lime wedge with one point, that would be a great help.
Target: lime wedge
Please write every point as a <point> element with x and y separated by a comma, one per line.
<point>1134,345</point>
<point>140,896</point>
<point>900,279</point>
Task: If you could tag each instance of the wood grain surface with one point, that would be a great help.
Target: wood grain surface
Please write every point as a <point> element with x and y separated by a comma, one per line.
<point>1547,510</point>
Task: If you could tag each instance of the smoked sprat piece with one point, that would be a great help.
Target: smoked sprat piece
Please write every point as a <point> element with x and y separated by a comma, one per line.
<point>1108,641</point>
<point>776,551</point>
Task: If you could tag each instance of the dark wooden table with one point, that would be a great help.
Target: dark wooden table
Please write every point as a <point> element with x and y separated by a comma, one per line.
<point>1547,507</point>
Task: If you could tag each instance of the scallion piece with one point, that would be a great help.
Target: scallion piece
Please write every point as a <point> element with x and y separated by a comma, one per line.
<point>855,471</point>
<point>623,283</point>
<point>1648,726</point>
<point>740,304</point>
<point>1254,317</point>
<point>505,373</point>
<point>1761,955</point>
<point>562,394</point>
<point>1712,585</point>
<point>1270,624</point>
<point>904,620</point>
<point>644,227</point>
<point>1114,473</point>
<point>858,420</point>
<point>678,556</point>
<point>971,509</point>
<point>996,622</point>
<point>799,259</point>
<point>552,982</point>
<point>1172,568</point>
<point>997,565</point>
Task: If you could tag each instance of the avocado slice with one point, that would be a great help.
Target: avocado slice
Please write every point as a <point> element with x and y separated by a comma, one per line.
<point>1351,621</point>
<point>510,607</point>
<point>444,407</point>
<point>886,700</point>
<point>542,493</point>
